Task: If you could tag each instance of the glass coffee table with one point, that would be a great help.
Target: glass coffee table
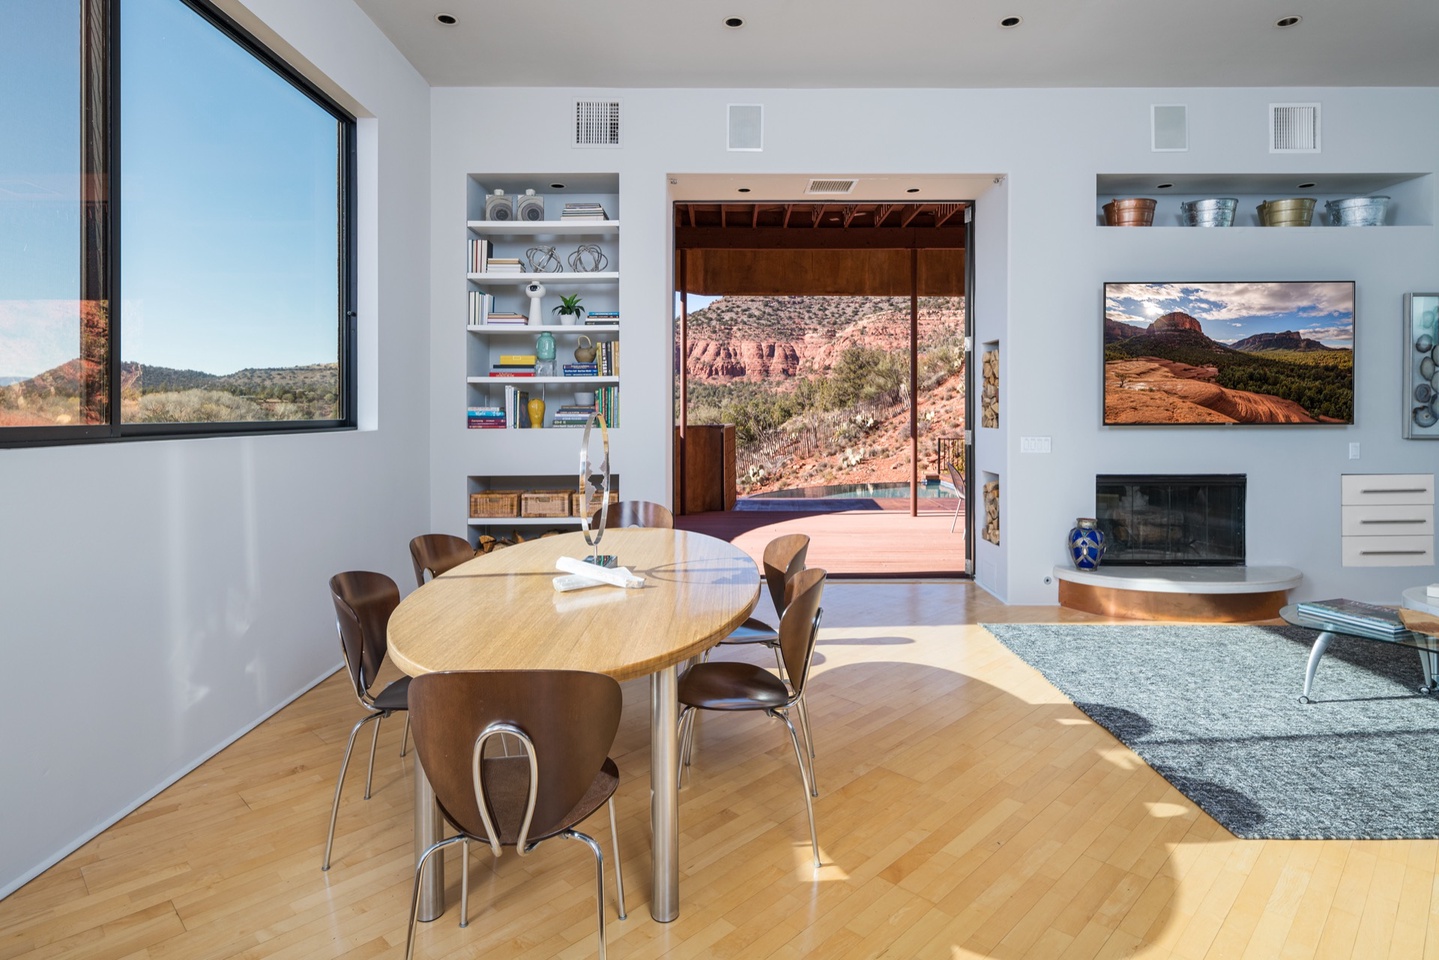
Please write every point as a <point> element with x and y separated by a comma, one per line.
<point>1426,646</point>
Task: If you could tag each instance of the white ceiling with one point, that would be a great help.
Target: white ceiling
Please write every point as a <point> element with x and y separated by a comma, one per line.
<point>916,43</point>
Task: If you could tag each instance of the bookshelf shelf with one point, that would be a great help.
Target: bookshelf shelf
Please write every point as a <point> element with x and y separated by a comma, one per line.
<point>515,329</point>
<point>545,228</point>
<point>520,279</point>
<point>522,381</point>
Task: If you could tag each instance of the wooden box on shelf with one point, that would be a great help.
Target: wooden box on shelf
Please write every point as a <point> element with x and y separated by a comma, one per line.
<point>494,503</point>
<point>575,500</point>
<point>545,503</point>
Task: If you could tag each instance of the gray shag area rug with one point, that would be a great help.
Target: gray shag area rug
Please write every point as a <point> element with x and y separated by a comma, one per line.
<point>1214,710</point>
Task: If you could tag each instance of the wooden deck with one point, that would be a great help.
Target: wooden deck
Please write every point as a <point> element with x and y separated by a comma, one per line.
<point>852,543</point>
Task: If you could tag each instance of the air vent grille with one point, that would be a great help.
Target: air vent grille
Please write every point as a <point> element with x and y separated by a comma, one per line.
<point>1294,128</point>
<point>830,186</point>
<point>597,123</point>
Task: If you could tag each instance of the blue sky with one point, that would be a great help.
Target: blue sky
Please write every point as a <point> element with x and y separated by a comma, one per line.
<point>1229,312</point>
<point>228,224</point>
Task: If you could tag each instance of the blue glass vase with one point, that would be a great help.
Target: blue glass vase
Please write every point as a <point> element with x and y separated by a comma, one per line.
<point>1086,544</point>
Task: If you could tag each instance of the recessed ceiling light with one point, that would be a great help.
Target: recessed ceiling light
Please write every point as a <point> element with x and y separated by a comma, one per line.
<point>1287,21</point>
<point>557,186</point>
<point>912,190</point>
<point>734,23</point>
<point>446,19</point>
<point>1163,186</point>
<point>1307,185</point>
<point>1009,22</point>
<point>744,189</point>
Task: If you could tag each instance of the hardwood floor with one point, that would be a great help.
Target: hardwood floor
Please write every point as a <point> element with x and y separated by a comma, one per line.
<point>967,810</point>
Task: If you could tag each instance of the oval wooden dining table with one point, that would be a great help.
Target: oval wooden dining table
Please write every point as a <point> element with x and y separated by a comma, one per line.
<point>501,611</point>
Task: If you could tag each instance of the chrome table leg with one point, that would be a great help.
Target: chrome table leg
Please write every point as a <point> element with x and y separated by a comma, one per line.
<point>664,794</point>
<point>431,897</point>
<point>1321,643</point>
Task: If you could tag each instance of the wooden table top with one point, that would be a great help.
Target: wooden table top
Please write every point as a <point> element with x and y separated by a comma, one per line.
<point>500,612</point>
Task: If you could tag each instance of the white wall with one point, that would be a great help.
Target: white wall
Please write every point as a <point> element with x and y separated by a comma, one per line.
<point>157,599</point>
<point>1041,262</point>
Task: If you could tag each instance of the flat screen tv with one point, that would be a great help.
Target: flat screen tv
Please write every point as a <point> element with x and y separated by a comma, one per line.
<point>1229,353</point>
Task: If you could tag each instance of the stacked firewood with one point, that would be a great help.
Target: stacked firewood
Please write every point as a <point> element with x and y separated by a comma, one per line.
<point>990,530</point>
<point>989,389</point>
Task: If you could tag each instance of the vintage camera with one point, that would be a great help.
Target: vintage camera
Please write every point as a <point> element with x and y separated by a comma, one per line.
<point>499,207</point>
<point>531,208</point>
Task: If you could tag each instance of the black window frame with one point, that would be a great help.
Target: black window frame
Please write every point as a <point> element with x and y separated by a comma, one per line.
<point>103,253</point>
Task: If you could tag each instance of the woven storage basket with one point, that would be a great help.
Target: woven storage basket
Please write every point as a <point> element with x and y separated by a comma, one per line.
<point>576,500</point>
<point>494,503</point>
<point>545,503</point>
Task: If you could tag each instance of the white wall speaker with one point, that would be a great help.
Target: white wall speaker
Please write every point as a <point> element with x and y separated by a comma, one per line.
<point>530,208</point>
<point>746,127</point>
<point>1168,127</point>
<point>499,207</point>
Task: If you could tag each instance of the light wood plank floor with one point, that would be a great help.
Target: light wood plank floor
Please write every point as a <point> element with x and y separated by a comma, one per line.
<point>967,810</point>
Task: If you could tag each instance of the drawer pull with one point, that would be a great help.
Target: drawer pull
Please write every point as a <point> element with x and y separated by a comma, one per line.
<point>1394,553</point>
<point>1399,490</point>
<point>1405,520</point>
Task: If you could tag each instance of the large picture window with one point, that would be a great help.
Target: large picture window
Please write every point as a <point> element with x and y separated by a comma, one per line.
<point>208,287</point>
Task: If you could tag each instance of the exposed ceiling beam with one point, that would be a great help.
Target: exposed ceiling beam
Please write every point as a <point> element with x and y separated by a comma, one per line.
<point>855,238</point>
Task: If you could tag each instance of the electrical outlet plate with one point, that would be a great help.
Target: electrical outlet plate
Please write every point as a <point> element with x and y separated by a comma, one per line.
<point>1033,444</point>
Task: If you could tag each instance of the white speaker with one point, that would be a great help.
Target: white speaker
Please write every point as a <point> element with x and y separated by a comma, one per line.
<point>499,207</point>
<point>746,127</point>
<point>530,207</point>
<point>1169,127</point>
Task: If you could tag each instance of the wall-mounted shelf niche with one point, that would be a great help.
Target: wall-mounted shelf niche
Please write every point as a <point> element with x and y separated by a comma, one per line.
<point>1411,195</point>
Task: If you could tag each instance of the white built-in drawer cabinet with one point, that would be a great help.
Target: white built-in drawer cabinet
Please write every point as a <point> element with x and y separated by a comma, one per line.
<point>1388,519</point>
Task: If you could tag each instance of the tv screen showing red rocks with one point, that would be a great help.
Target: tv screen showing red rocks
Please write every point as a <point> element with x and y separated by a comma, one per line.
<point>1198,353</point>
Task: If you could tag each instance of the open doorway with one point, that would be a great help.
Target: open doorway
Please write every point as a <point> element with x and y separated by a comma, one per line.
<point>822,379</point>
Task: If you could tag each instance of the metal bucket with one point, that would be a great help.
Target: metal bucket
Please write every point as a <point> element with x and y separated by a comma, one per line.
<point>1129,212</point>
<point>1357,211</point>
<point>1294,212</point>
<point>1213,212</point>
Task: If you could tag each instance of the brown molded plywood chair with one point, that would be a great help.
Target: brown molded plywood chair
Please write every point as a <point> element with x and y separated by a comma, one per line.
<point>363,604</point>
<point>783,558</point>
<point>635,513</point>
<point>566,721</point>
<point>733,686</point>
<point>434,553</point>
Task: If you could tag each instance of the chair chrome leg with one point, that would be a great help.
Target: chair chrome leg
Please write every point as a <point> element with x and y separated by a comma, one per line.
<point>686,733</point>
<point>405,737</point>
<point>339,785</point>
<point>778,660</point>
<point>804,777</point>
<point>619,876</point>
<point>599,880</point>
<point>374,742</point>
<point>809,742</point>
<point>465,882</point>
<point>415,901</point>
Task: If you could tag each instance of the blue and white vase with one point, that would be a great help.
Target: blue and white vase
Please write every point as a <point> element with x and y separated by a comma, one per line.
<point>1086,544</point>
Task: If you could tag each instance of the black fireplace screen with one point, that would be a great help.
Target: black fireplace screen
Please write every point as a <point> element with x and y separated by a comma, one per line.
<point>1171,519</point>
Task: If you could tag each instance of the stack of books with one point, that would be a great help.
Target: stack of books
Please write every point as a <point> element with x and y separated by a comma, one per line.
<point>572,415</point>
<point>480,251</point>
<point>503,265</point>
<point>1356,617</point>
<point>506,319</point>
<point>602,317</point>
<point>583,211</point>
<point>481,305</point>
<point>607,356</point>
<point>512,369</point>
<point>486,418</point>
<point>607,405</point>
<point>581,370</point>
<point>517,407</point>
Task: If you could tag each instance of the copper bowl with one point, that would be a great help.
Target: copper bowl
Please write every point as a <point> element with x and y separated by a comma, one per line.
<point>1129,212</point>
<point>1294,212</point>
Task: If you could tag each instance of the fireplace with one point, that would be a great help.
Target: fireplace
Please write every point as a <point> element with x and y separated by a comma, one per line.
<point>1171,519</point>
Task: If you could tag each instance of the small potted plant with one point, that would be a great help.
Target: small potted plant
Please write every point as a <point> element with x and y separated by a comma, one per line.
<point>569,310</point>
